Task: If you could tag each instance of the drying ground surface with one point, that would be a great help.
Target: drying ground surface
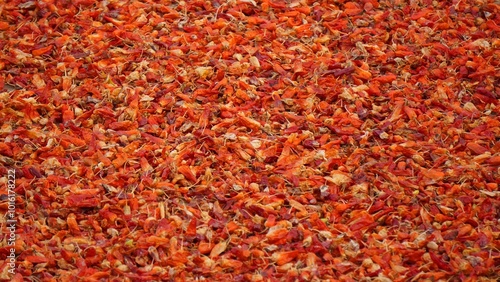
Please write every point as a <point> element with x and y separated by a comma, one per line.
<point>250,140</point>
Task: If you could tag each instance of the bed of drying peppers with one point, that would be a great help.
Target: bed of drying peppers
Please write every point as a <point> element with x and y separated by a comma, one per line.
<point>249,140</point>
